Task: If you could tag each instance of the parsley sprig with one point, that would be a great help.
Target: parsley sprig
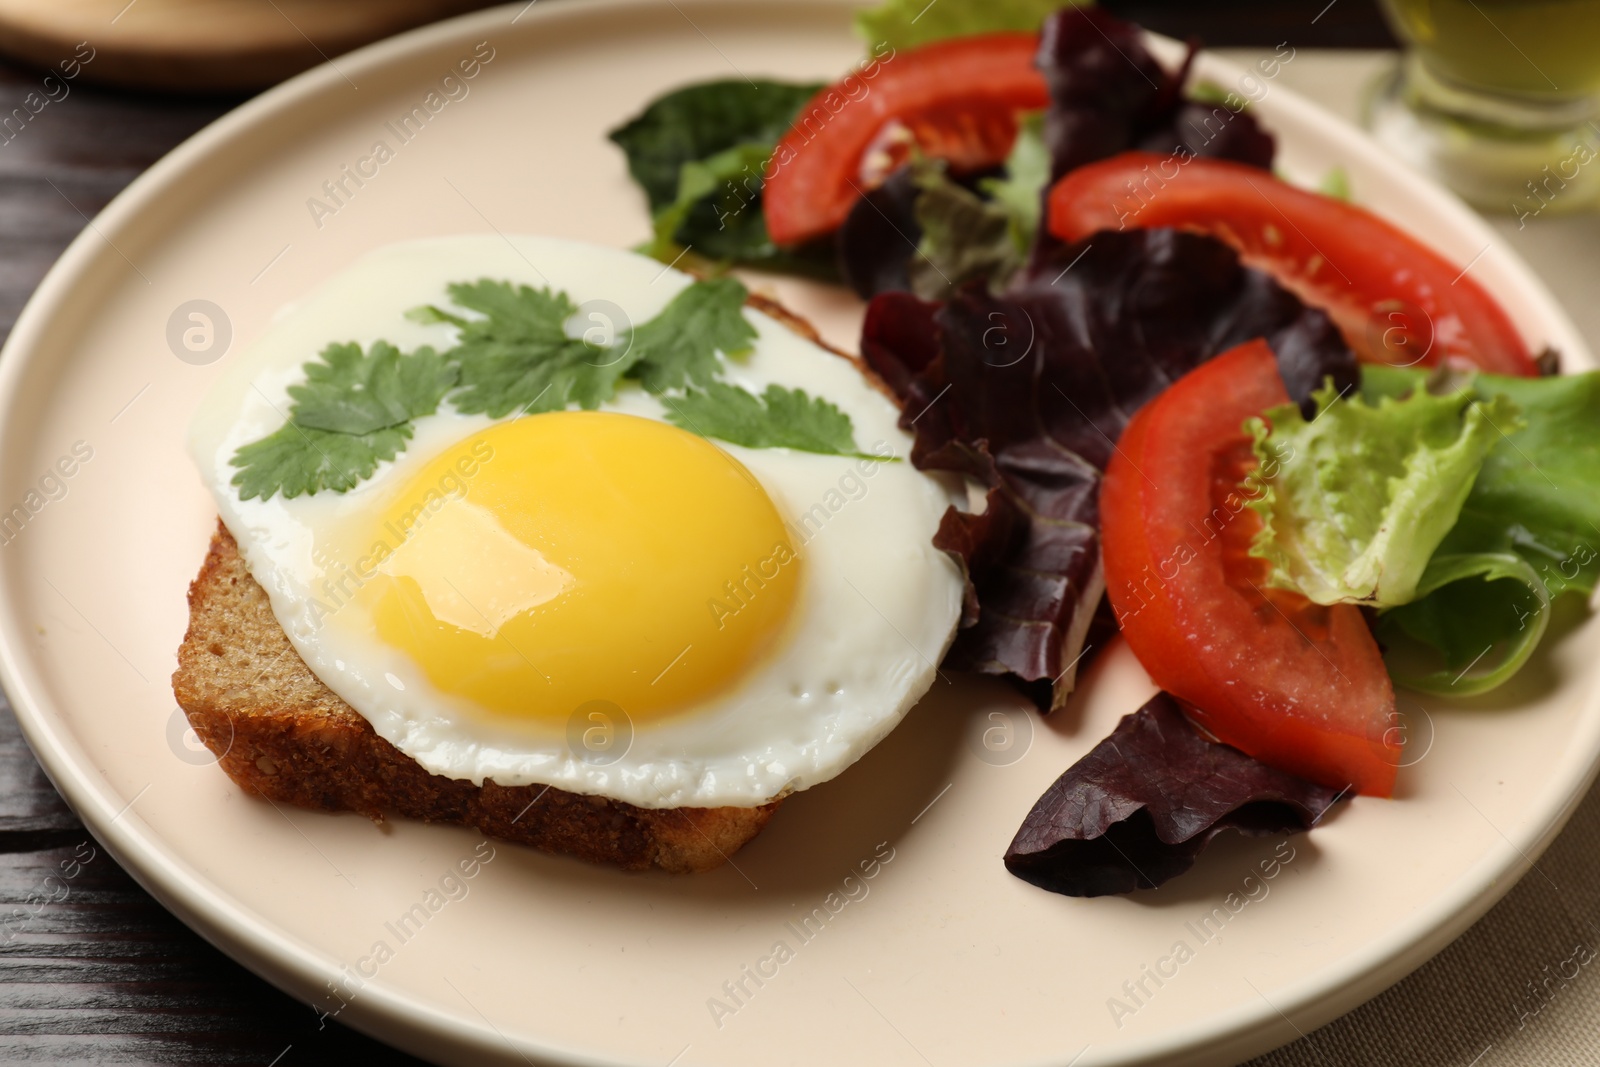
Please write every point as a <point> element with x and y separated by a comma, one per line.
<point>513,353</point>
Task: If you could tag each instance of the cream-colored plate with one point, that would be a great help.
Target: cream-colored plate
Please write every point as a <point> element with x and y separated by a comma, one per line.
<point>941,957</point>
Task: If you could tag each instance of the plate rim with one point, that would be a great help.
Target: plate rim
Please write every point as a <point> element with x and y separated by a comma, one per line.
<point>418,1025</point>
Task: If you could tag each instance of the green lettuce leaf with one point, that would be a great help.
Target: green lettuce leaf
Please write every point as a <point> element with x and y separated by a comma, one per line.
<point>1468,605</point>
<point>963,237</point>
<point>1019,193</point>
<point>699,154</point>
<point>911,23</point>
<point>1537,500</point>
<point>1355,501</point>
<point>729,184</point>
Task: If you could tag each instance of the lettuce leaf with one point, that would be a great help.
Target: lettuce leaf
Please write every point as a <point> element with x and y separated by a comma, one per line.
<point>963,237</point>
<point>1468,603</point>
<point>699,154</point>
<point>1139,808</point>
<point>1531,521</point>
<point>1355,500</point>
<point>1020,192</point>
<point>912,23</point>
<point>1109,94</point>
<point>1027,392</point>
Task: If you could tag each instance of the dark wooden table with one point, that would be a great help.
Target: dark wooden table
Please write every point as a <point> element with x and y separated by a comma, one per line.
<point>92,970</point>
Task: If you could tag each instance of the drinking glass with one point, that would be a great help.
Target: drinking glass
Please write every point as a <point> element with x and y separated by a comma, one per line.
<point>1498,99</point>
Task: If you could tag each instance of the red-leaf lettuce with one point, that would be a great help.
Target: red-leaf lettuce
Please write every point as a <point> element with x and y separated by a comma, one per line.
<point>1144,802</point>
<point>1027,393</point>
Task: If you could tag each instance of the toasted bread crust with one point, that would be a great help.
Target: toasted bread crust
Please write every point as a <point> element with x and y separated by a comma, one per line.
<point>280,733</point>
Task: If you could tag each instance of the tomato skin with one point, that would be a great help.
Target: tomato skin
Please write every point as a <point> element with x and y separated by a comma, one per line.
<point>957,99</point>
<point>1396,300</point>
<point>1299,686</point>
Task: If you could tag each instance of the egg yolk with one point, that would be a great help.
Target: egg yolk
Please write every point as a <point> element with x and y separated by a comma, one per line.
<point>570,557</point>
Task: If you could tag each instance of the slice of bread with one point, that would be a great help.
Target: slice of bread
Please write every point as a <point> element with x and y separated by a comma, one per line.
<point>281,734</point>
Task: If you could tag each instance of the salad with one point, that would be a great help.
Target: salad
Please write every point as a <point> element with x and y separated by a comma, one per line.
<point>1295,456</point>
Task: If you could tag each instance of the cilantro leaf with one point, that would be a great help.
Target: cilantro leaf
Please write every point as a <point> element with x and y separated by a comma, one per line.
<point>1355,501</point>
<point>297,460</point>
<point>779,418</point>
<point>353,411</point>
<point>518,356</point>
<point>680,345</point>
<point>353,392</point>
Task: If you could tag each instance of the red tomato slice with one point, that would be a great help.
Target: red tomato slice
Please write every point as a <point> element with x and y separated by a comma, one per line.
<point>1294,684</point>
<point>1396,300</point>
<point>954,100</point>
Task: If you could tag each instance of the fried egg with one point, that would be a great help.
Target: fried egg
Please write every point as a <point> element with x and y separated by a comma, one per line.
<point>595,600</point>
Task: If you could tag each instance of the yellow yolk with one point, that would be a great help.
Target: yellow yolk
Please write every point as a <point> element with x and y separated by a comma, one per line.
<point>571,557</point>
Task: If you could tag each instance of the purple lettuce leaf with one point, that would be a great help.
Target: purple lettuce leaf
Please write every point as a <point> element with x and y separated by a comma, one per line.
<point>1139,808</point>
<point>1027,393</point>
<point>1108,94</point>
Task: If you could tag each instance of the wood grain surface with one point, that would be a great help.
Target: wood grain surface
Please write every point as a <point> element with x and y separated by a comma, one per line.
<point>92,969</point>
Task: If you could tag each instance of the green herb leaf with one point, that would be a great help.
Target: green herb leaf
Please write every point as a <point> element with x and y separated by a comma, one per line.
<point>910,23</point>
<point>698,121</point>
<point>730,183</point>
<point>1467,605</point>
<point>679,346</point>
<point>699,153</point>
<point>1536,498</point>
<point>355,392</point>
<point>1335,183</point>
<point>1206,91</point>
<point>1355,501</point>
<point>353,411</point>
<point>297,460</point>
<point>963,237</point>
<point>518,356</point>
<point>779,418</point>
<point>1020,192</point>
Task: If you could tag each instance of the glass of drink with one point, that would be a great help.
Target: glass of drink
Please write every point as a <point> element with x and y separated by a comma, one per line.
<point>1498,99</point>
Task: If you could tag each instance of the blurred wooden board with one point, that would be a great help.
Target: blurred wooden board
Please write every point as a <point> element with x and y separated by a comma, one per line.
<point>202,46</point>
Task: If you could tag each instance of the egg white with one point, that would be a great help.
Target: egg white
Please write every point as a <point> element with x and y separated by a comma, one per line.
<point>878,603</point>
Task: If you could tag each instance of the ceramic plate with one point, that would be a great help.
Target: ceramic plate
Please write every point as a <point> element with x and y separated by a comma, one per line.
<point>942,957</point>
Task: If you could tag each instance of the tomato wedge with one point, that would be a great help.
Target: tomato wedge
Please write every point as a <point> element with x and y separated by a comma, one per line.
<point>1294,684</point>
<point>955,100</point>
<point>1396,300</point>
